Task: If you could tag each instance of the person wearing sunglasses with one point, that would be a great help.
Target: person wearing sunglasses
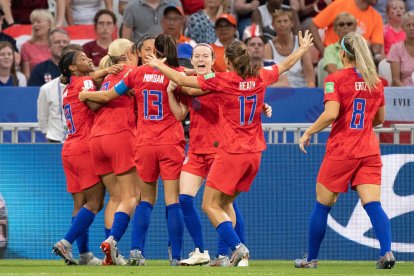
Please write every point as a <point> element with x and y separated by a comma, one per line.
<point>344,23</point>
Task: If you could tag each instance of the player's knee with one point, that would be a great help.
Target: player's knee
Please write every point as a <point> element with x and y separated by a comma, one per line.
<point>207,207</point>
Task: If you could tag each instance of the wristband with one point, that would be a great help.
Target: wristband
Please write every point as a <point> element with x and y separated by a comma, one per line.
<point>121,88</point>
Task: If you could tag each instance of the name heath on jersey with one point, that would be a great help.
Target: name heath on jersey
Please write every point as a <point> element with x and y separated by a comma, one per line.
<point>247,85</point>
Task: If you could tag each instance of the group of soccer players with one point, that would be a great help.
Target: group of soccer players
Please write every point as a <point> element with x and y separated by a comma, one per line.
<point>129,155</point>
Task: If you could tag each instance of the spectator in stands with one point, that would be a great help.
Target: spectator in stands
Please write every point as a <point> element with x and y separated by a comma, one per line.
<point>244,10</point>
<point>255,43</point>
<point>381,7</point>
<point>393,32</point>
<point>226,27</point>
<point>122,5</point>
<point>19,11</point>
<point>201,26</point>
<point>263,18</point>
<point>172,24</point>
<point>309,9</point>
<point>368,19</point>
<point>37,49</point>
<point>105,25</point>
<point>50,114</point>
<point>302,73</point>
<point>81,12</point>
<point>192,6</point>
<point>401,55</point>
<point>344,23</point>
<point>143,17</point>
<point>48,70</point>
<point>5,37</point>
<point>8,74</point>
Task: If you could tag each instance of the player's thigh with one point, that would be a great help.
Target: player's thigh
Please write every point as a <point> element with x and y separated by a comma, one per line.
<point>369,193</point>
<point>325,196</point>
<point>190,183</point>
<point>149,192</point>
<point>127,182</point>
<point>111,184</point>
<point>171,191</point>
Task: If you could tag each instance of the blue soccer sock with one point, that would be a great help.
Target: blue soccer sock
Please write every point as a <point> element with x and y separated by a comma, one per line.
<point>107,232</point>
<point>228,235</point>
<point>239,228</point>
<point>317,229</point>
<point>79,227</point>
<point>192,220</point>
<point>120,225</point>
<point>381,224</point>
<point>175,224</point>
<point>142,218</point>
<point>222,248</point>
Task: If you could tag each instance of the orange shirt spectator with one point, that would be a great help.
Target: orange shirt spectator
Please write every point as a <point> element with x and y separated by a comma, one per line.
<point>369,21</point>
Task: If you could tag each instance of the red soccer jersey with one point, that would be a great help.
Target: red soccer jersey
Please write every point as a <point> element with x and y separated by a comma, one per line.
<point>241,102</point>
<point>204,123</point>
<point>157,125</point>
<point>79,118</point>
<point>118,114</point>
<point>352,135</point>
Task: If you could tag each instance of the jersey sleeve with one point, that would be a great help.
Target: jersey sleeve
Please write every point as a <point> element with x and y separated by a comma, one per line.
<point>270,74</point>
<point>209,82</point>
<point>331,90</point>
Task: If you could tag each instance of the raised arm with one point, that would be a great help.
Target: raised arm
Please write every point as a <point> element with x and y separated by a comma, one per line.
<point>102,96</point>
<point>325,119</point>
<point>305,43</point>
<point>172,74</point>
<point>179,109</point>
<point>101,73</point>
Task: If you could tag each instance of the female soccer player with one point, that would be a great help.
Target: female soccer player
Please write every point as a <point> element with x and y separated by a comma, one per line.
<point>113,161</point>
<point>204,140</point>
<point>240,93</point>
<point>159,146</point>
<point>354,104</point>
<point>86,187</point>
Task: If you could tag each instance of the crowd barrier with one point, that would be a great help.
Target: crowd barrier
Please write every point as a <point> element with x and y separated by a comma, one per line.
<point>290,105</point>
<point>276,210</point>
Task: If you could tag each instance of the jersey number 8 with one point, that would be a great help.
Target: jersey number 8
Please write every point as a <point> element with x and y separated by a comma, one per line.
<point>358,114</point>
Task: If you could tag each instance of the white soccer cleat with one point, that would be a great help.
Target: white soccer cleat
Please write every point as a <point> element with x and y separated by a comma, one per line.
<point>65,251</point>
<point>196,258</point>
<point>89,259</point>
<point>243,262</point>
<point>112,256</point>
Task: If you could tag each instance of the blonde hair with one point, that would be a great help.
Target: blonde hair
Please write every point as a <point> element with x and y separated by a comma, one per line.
<point>344,15</point>
<point>281,12</point>
<point>42,14</point>
<point>116,52</point>
<point>406,16</point>
<point>357,50</point>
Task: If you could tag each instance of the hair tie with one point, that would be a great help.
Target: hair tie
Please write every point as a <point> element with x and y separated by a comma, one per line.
<point>344,48</point>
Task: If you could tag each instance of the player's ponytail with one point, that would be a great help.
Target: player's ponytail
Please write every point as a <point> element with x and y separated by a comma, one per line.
<point>165,47</point>
<point>357,50</point>
<point>64,63</point>
<point>117,52</point>
<point>237,53</point>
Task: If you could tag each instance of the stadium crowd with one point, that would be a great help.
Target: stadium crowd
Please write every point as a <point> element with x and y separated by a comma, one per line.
<point>211,31</point>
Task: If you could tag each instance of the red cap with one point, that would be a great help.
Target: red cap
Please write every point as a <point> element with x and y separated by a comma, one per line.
<point>230,18</point>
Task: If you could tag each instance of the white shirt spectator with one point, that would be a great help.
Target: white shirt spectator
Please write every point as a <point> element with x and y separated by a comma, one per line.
<point>50,114</point>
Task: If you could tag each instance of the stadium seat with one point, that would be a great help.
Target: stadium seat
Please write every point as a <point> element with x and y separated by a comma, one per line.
<point>384,70</point>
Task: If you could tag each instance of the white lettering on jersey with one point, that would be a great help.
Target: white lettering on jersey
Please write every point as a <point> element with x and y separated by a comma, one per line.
<point>360,86</point>
<point>247,85</point>
<point>153,78</point>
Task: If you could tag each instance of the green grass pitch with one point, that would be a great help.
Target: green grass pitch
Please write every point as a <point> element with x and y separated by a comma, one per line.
<point>153,268</point>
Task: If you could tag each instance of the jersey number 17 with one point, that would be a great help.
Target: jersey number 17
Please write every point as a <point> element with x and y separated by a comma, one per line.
<point>244,100</point>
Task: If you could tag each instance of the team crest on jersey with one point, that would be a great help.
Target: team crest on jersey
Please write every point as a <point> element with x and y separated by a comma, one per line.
<point>87,84</point>
<point>209,76</point>
<point>329,87</point>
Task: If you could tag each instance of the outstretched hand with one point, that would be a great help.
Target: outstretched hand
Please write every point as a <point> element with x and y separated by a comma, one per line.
<point>267,110</point>
<point>115,69</point>
<point>305,41</point>
<point>153,61</point>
